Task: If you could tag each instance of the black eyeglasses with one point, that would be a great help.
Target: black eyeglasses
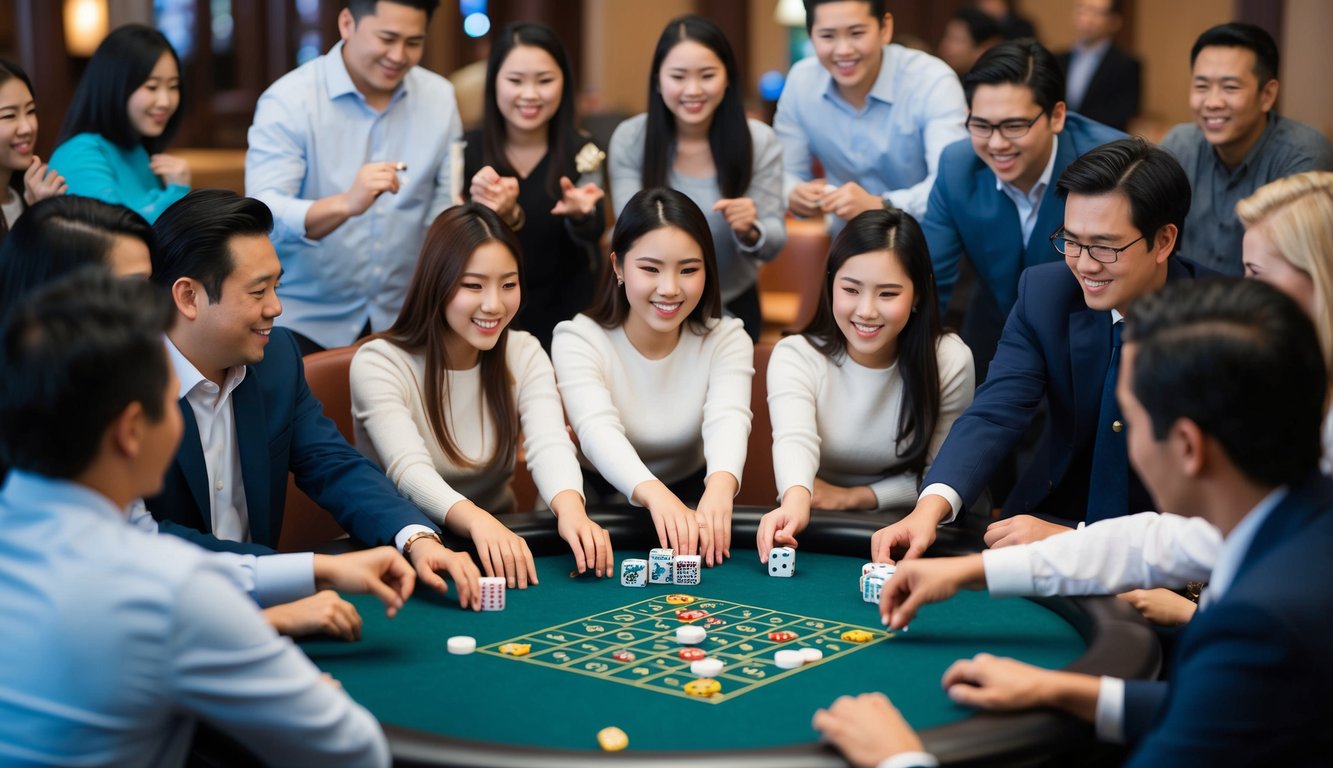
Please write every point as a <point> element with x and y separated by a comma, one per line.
<point>1103,253</point>
<point>1010,129</point>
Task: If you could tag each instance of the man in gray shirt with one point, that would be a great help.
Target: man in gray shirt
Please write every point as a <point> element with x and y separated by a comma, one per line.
<point>1237,142</point>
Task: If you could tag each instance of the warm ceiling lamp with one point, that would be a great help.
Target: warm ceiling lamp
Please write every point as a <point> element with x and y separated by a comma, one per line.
<point>790,13</point>
<point>85,26</point>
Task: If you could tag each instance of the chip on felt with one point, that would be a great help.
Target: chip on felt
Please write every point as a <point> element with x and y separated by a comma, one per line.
<point>679,599</point>
<point>788,659</point>
<point>692,654</point>
<point>461,645</point>
<point>516,649</point>
<point>690,614</point>
<point>783,636</point>
<point>714,621</point>
<point>810,655</point>
<point>706,667</point>
<point>623,656</point>
<point>704,687</point>
<point>612,739</point>
<point>857,636</point>
<point>690,635</point>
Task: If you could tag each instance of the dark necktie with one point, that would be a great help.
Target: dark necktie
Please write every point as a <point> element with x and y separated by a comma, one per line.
<point>1108,489</point>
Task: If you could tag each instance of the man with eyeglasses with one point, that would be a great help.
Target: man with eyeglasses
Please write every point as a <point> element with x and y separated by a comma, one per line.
<point>1125,206</point>
<point>993,202</point>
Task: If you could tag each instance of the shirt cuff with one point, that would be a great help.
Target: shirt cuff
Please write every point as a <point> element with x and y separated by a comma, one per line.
<point>909,760</point>
<point>1008,572</point>
<point>283,578</point>
<point>758,243</point>
<point>1110,717</point>
<point>950,495</point>
<point>293,215</point>
<point>400,540</point>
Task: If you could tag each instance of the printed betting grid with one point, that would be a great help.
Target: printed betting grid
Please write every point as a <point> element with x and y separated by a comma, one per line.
<point>737,634</point>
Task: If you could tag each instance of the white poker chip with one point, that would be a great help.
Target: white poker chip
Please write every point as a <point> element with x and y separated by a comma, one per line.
<point>706,667</point>
<point>690,635</point>
<point>788,659</point>
<point>462,645</point>
<point>810,655</point>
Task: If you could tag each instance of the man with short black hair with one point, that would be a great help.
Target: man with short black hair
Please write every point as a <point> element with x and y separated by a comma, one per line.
<point>1251,670</point>
<point>118,642</point>
<point>1237,142</point>
<point>351,151</point>
<point>1124,206</point>
<point>1102,82</point>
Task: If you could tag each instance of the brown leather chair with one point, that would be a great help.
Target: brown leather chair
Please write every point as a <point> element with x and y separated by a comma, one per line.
<point>790,284</point>
<point>305,524</point>
<point>758,486</point>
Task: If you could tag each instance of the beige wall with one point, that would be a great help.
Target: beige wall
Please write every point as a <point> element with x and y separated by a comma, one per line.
<point>620,37</point>
<point>1165,32</point>
<point>1307,59</point>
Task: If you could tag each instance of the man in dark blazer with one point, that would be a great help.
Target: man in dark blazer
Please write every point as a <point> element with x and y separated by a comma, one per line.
<point>1103,82</point>
<point>1125,204</point>
<point>249,415</point>
<point>1252,669</point>
<point>994,201</point>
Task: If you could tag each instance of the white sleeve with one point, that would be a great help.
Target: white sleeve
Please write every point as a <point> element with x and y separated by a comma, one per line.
<point>727,415</point>
<point>582,376</point>
<point>1107,557</point>
<point>230,669</point>
<point>550,454</point>
<point>381,404</point>
<point>793,402</point>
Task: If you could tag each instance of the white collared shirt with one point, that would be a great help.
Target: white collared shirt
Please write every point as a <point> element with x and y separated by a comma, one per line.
<point>1029,203</point>
<point>213,415</point>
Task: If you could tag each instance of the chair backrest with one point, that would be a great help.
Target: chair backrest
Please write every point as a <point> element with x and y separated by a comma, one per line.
<point>758,486</point>
<point>790,284</point>
<point>305,524</point>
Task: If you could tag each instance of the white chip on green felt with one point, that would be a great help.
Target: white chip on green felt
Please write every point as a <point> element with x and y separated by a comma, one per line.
<point>810,655</point>
<point>690,635</point>
<point>788,659</point>
<point>706,667</point>
<point>461,645</point>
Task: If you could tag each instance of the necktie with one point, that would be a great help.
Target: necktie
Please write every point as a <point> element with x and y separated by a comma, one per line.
<point>1108,490</point>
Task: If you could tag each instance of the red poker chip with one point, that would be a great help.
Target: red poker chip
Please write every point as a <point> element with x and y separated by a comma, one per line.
<point>782,637</point>
<point>692,654</point>
<point>691,614</point>
<point>623,656</point>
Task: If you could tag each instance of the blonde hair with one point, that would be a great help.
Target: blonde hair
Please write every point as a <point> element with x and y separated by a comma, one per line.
<point>1296,213</point>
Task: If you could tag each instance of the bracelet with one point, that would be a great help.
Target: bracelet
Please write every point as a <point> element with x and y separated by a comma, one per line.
<point>407,545</point>
<point>520,219</point>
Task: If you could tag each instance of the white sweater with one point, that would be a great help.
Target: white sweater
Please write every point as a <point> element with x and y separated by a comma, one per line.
<point>840,422</point>
<point>392,429</point>
<point>639,419</point>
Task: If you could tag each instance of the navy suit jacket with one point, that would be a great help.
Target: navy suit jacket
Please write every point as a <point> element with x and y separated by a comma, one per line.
<point>966,214</point>
<point>1114,92</point>
<point>1053,347</point>
<point>1253,670</point>
<point>281,427</point>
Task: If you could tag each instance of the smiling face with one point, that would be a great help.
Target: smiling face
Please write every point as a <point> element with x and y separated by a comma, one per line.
<point>234,329</point>
<point>849,41</point>
<point>382,47</point>
<point>1019,161</point>
<point>872,301</point>
<point>692,81</point>
<point>154,102</point>
<point>1106,220</point>
<point>1228,102</point>
<point>18,125</point>
<point>484,302</point>
<point>664,281</point>
<point>528,88</point>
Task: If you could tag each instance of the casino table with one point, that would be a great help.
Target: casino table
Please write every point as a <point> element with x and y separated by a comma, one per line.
<point>545,708</point>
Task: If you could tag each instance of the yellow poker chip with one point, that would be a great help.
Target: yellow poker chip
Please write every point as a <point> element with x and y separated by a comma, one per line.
<point>857,636</point>
<point>515,649</point>
<point>704,686</point>
<point>612,739</point>
<point>679,599</point>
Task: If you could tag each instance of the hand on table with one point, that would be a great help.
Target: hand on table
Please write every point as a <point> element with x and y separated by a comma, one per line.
<point>677,525</point>
<point>381,572</point>
<point>780,527</point>
<point>501,551</point>
<point>866,729</point>
<point>1020,529</point>
<point>837,497</point>
<point>430,558</point>
<point>920,582</point>
<point>323,613</point>
<point>714,514</point>
<point>589,541</point>
<point>1161,606</point>
<point>911,536</point>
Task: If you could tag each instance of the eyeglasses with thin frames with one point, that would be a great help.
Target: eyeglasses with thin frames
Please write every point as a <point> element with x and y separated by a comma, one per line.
<point>1103,253</point>
<point>1010,129</point>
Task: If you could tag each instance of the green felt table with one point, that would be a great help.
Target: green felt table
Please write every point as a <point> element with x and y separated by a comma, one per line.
<point>546,708</point>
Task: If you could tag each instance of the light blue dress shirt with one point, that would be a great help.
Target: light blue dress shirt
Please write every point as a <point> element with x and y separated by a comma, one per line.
<point>95,167</point>
<point>116,641</point>
<point>1083,63</point>
<point>1028,203</point>
<point>313,131</point>
<point>891,147</point>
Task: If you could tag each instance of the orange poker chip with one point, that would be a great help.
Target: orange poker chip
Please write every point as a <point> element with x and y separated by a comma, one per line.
<point>704,686</point>
<point>679,599</point>
<point>785,636</point>
<point>692,654</point>
<point>515,649</point>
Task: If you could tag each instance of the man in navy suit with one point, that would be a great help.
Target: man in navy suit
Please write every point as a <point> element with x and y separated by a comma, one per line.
<point>994,202</point>
<point>1102,81</point>
<point>1223,387</point>
<point>1125,204</point>
<point>250,417</point>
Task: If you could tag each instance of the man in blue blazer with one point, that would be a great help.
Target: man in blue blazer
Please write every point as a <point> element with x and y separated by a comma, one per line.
<point>1125,204</point>
<point>249,415</point>
<point>1252,669</point>
<point>994,202</point>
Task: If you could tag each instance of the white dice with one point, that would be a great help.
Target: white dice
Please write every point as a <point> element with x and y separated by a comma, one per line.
<point>633,572</point>
<point>686,569</point>
<point>660,566</point>
<point>782,562</point>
